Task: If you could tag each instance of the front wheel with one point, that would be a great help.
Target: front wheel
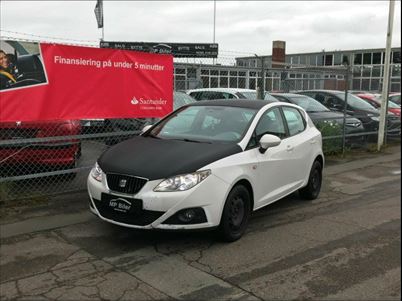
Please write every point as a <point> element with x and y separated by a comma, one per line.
<point>312,190</point>
<point>235,214</point>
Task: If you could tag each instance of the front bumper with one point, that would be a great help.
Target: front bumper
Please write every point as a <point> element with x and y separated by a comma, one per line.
<point>157,207</point>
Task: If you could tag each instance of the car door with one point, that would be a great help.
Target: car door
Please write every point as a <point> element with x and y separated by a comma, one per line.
<point>298,144</point>
<point>273,171</point>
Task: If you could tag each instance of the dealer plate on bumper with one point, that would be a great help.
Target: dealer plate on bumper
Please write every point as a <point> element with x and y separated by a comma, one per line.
<point>121,204</point>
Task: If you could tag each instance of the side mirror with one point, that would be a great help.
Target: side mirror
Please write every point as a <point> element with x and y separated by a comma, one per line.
<point>268,141</point>
<point>146,128</point>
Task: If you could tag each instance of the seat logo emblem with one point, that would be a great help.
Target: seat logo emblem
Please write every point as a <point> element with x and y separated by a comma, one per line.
<point>122,183</point>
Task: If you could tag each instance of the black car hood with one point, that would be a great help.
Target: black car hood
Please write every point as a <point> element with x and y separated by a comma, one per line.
<point>154,158</point>
<point>330,115</point>
<point>324,115</point>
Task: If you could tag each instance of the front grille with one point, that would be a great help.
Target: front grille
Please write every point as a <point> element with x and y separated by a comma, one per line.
<point>125,184</point>
<point>139,216</point>
<point>17,133</point>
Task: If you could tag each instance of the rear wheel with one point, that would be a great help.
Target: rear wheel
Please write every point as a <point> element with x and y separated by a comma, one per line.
<point>235,214</point>
<point>312,190</point>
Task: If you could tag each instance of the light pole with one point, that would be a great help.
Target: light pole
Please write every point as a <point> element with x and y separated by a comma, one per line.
<point>386,77</point>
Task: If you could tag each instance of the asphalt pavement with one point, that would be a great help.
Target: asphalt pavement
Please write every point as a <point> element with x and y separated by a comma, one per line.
<point>343,246</point>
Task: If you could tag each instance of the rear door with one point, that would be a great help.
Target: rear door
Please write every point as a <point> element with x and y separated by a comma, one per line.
<point>298,144</point>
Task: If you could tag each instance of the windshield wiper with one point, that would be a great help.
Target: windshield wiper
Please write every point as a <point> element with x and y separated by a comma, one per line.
<point>191,140</point>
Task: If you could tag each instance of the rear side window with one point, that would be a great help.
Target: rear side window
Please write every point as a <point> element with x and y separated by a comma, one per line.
<point>295,120</point>
<point>196,95</point>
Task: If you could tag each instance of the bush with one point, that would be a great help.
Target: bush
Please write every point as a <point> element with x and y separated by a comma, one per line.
<point>328,130</point>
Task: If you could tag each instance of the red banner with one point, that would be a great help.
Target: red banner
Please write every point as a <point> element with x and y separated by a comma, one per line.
<point>67,82</point>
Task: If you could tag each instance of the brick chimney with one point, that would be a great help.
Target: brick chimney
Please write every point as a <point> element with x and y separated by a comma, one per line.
<point>278,53</point>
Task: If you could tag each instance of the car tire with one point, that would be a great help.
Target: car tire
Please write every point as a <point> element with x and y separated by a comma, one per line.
<point>312,190</point>
<point>235,215</point>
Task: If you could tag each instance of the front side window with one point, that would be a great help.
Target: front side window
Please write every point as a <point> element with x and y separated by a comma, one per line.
<point>295,120</point>
<point>271,123</point>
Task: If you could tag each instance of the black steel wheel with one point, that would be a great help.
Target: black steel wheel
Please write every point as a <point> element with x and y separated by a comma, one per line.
<point>313,188</point>
<point>236,213</point>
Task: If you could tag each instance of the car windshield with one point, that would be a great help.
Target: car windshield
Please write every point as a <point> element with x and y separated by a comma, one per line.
<point>395,98</point>
<point>249,94</point>
<point>181,99</point>
<point>309,104</point>
<point>393,105</point>
<point>205,124</point>
<point>356,102</point>
<point>269,97</point>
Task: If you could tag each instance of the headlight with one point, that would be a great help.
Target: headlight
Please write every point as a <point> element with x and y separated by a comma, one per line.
<point>375,118</point>
<point>96,172</point>
<point>354,124</point>
<point>182,182</point>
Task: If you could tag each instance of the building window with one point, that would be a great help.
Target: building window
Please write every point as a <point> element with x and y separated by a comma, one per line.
<point>205,81</point>
<point>377,58</point>
<point>376,71</point>
<point>396,59</point>
<point>367,58</point>
<point>214,82</point>
<point>329,59</point>
<point>375,84</point>
<point>223,82</point>
<point>337,59</point>
<point>358,59</point>
<point>233,82</point>
<point>179,71</point>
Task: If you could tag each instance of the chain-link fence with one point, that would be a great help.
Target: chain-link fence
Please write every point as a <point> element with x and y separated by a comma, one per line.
<point>44,158</point>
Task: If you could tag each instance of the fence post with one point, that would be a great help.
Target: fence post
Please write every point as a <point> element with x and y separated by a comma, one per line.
<point>345,109</point>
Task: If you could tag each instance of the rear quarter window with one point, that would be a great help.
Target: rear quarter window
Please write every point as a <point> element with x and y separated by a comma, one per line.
<point>295,120</point>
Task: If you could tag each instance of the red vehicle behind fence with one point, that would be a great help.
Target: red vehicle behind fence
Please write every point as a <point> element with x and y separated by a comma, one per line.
<point>54,154</point>
<point>376,102</point>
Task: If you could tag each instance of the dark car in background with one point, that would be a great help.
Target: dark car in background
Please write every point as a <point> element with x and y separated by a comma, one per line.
<point>16,152</point>
<point>321,115</point>
<point>357,107</point>
<point>135,125</point>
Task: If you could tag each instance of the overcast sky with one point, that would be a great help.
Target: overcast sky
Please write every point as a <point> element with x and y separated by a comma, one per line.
<point>243,26</point>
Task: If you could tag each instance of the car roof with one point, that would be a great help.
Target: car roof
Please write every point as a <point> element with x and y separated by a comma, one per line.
<point>229,90</point>
<point>328,91</point>
<point>238,103</point>
<point>288,95</point>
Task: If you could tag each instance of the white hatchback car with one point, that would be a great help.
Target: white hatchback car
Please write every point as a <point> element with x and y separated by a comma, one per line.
<point>208,164</point>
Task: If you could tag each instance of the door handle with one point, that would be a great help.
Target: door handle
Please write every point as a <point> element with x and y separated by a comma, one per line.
<point>289,148</point>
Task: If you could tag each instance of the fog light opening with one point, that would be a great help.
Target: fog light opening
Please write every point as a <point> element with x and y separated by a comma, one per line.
<point>187,215</point>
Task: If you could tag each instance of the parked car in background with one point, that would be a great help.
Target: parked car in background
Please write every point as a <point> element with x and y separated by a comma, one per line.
<point>395,97</point>
<point>226,93</point>
<point>357,107</point>
<point>50,154</point>
<point>136,124</point>
<point>376,102</point>
<point>322,116</point>
<point>230,159</point>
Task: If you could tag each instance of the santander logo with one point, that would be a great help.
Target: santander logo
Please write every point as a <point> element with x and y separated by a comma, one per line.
<point>134,101</point>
